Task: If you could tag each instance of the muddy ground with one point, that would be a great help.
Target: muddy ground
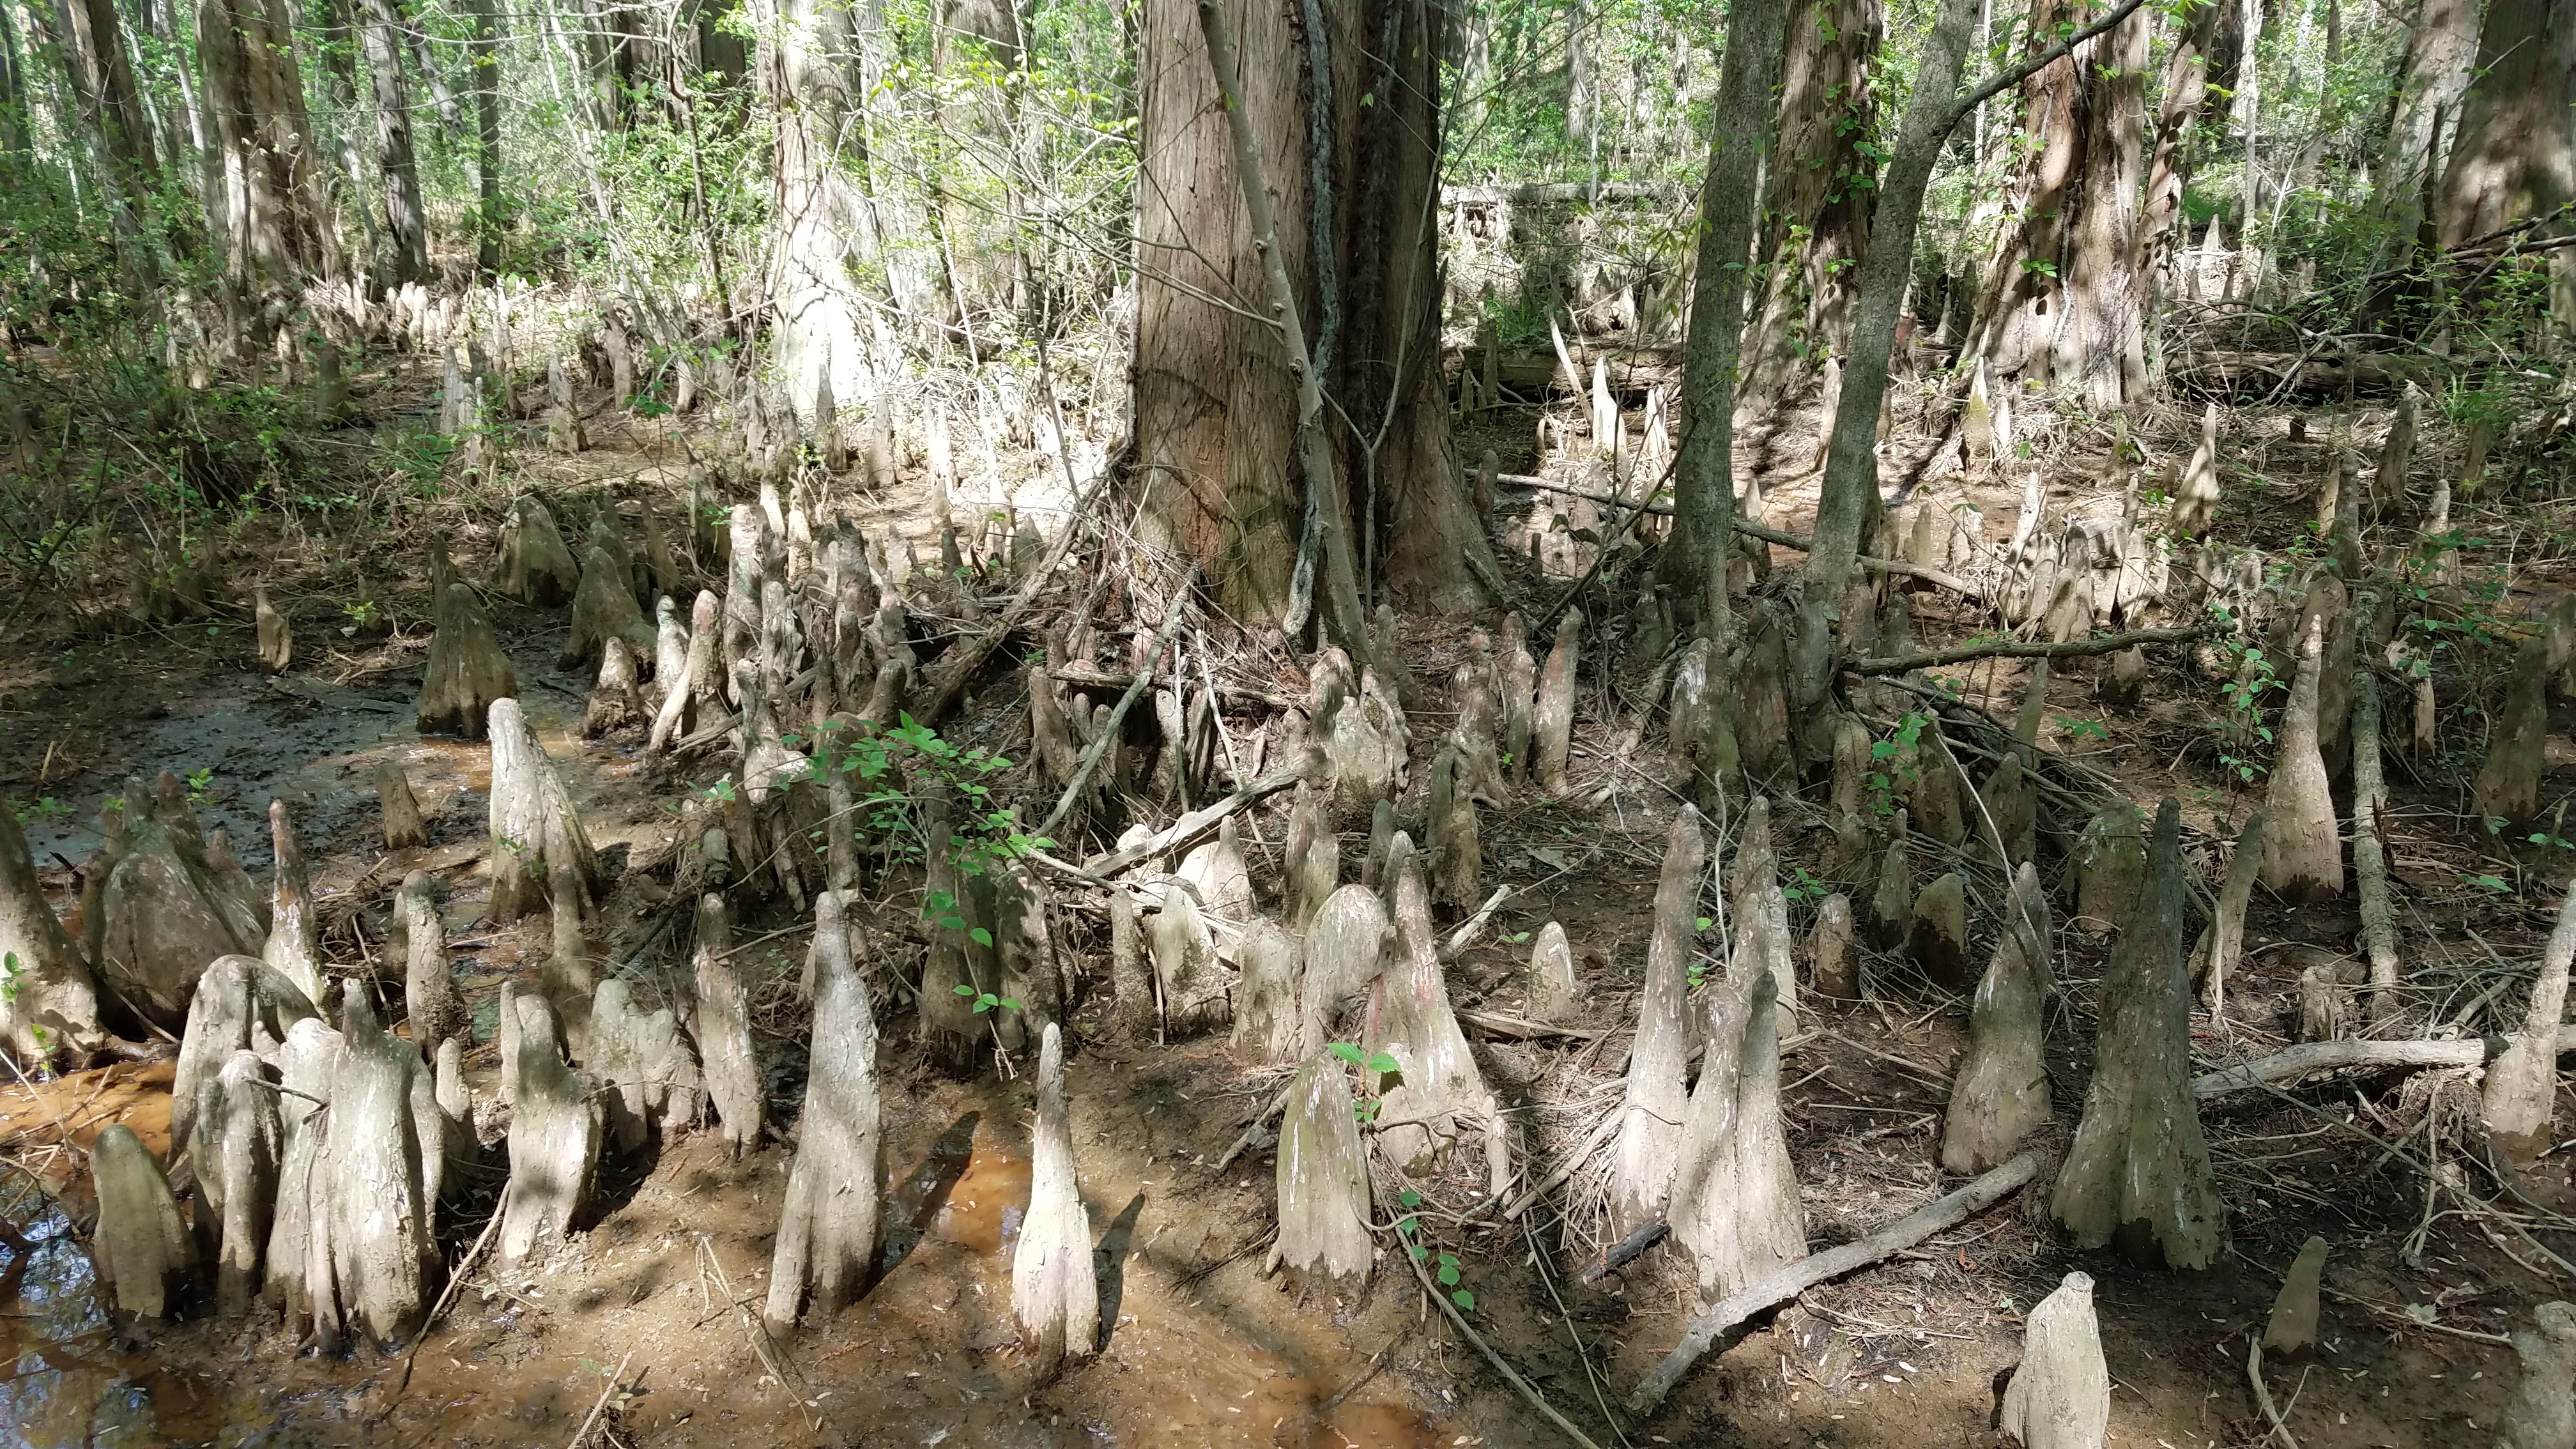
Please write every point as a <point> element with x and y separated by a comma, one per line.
<point>642,1327</point>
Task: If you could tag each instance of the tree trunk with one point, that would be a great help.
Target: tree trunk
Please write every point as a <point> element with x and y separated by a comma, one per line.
<point>1849,497</point>
<point>2023,291</point>
<point>1704,470</point>
<point>2061,299</point>
<point>817,328</point>
<point>1817,199</point>
<point>2181,108</point>
<point>2439,52</point>
<point>17,133</point>
<point>2515,152</point>
<point>255,94</point>
<point>406,221</point>
<point>486,52</point>
<point>1216,391</point>
<point>102,83</point>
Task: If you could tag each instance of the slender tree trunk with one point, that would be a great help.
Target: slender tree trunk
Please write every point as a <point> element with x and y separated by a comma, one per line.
<point>1850,493</point>
<point>2183,98</point>
<point>1704,471</point>
<point>489,216</point>
<point>17,130</point>
<point>406,220</point>
<point>2515,155</point>
<point>1816,202</point>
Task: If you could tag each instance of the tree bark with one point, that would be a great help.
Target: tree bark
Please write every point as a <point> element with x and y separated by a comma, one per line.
<point>2181,108</point>
<point>489,218</point>
<point>2439,51</point>
<point>817,329</point>
<point>1218,380</point>
<point>1817,199</point>
<point>1704,469</point>
<point>2515,152</point>
<point>406,220</point>
<point>1850,492</point>
<point>255,94</point>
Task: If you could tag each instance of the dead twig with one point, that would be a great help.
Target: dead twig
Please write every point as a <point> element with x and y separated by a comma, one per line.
<point>1817,1268</point>
<point>601,1406</point>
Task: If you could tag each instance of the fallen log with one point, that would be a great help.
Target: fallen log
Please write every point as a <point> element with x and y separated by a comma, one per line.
<point>2027,649</point>
<point>1808,1272</point>
<point>2227,374</point>
<point>2292,1063</point>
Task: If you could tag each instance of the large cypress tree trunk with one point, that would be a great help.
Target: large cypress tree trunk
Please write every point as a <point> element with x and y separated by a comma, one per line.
<point>2021,295</point>
<point>817,330</point>
<point>1817,202</point>
<point>255,95</point>
<point>2100,345</point>
<point>2515,155</point>
<point>17,137</point>
<point>1352,187</point>
<point>406,221</point>
<point>2439,52</point>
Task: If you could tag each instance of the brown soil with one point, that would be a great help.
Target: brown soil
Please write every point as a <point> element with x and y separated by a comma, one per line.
<point>653,1305</point>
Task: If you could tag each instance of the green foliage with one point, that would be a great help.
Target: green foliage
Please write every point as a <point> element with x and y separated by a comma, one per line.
<point>884,766</point>
<point>1884,778</point>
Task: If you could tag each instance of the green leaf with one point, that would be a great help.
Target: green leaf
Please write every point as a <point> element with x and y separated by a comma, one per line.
<point>1702,924</point>
<point>1382,1063</point>
<point>980,936</point>
<point>1418,1251</point>
<point>1448,1276</point>
<point>1463,1299</point>
<point>966,991</point>
<point>1408,1198</point>
<point>1345,1051</point>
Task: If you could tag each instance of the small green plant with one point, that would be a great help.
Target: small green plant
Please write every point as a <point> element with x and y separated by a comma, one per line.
<point>199,783</point>
<point>986,1001</point>
<point>47,808</point>
<point>2084,729</point>
<point>1899,744</point>
<point>1378,1065</point>
<point>2491,884</point>
<point>363,613</point>
<point>1803,886</point>
<point>1444,1267</point>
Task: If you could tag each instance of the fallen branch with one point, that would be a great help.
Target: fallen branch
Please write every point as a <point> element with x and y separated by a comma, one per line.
<point>1252,1129</point>
<point>2263,1394</point>
<point>1523,1029</point>
<point>615,1379</point>
<point>959,664</point>
<point>1817,1268</point>
<point>455,1281</point>
<point>1082,678</point>
<point>1520,1385</point>
<point>2028,649</point>
<point>2291,1063</point>
<point>1118,715</point>
<point>1628,1250</point>
<point>1191,826</point>
<point>1466,934</point>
